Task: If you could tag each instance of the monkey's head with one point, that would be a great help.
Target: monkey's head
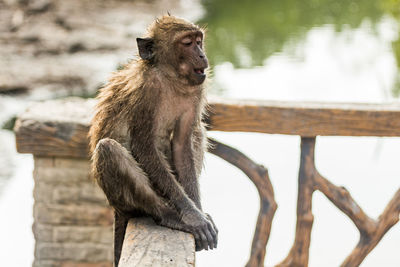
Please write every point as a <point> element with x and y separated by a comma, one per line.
<point>177,45</point>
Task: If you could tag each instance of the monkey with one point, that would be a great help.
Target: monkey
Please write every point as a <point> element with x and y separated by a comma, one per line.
<point>147,137</point>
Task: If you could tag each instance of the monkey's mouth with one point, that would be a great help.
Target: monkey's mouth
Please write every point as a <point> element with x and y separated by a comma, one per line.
<point>199,72</point>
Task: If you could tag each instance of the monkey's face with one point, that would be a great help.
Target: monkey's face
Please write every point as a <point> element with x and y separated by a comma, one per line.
<point>176,46</point>
<point>192,61</point>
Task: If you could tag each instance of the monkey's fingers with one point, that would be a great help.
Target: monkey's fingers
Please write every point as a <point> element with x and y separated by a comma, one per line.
<point>214,230</point>
<point>203,239</point>
<point>210,239</point>
<point>214,234</point>
<point>198,244</point>
<point>212,221</point>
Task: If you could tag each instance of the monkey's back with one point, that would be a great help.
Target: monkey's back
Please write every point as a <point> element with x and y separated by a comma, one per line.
<point>117,101</point>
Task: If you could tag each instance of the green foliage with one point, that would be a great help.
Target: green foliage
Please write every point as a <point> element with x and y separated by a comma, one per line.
<point>396,87</point>
<point>396,50</point>
<point>391,7</point>
<point>9,124</point>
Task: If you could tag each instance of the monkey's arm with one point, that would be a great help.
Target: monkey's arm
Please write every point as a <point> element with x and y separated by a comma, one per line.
<point>188,146</point>
<point>199,147</point>
<point>184,152</point>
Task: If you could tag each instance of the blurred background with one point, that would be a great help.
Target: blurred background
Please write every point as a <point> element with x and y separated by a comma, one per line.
<point>292,50</point>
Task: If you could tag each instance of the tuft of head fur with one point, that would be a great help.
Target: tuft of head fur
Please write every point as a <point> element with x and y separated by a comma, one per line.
<point>167,30</point>
<point>166,27</point>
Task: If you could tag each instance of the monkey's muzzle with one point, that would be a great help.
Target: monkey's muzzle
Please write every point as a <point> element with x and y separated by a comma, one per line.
<point>200,76</point>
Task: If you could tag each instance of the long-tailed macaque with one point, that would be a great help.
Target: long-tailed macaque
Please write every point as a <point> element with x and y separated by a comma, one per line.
<point>147,137</point>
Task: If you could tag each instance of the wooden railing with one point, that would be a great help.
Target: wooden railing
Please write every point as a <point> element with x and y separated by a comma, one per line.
<point>64,133</point>
<point>307,120</point>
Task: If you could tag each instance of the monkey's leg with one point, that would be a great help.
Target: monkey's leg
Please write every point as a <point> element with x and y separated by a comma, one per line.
<point>127,187</point>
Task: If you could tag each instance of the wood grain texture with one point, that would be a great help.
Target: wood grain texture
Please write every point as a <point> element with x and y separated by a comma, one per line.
<point>59,127</point>
<point>306,119</point>
<point>299,253</point>
<point>149,245</point>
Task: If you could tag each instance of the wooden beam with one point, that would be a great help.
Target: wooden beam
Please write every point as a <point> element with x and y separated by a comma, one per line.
<point>148,244</point>
<point>59,127</point>
<point>306,119</point>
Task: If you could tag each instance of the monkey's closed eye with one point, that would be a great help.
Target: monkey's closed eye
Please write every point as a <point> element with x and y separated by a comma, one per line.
<point>187,41</point>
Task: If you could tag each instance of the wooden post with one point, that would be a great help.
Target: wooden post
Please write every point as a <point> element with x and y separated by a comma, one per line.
<point>148,244</point>
<point>298,255</point>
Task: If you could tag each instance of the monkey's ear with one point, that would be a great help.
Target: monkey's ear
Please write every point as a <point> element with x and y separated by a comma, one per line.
<point>145,46</point>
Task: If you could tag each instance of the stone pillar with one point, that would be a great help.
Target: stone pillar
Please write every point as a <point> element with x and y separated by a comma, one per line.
<point>72,220</point>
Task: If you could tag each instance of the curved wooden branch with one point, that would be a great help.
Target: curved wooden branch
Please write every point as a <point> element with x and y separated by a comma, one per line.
<point>342,199</point>
<point>368,241</point>
<point>258,174</point>
<point>298,255</point>
<point>371,231</point>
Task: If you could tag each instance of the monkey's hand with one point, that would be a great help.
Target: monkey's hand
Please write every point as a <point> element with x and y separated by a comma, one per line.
<point>203,229</point>
<point>215,228</point>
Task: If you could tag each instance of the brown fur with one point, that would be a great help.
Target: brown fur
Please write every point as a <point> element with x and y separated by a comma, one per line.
<point>147,138</point>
